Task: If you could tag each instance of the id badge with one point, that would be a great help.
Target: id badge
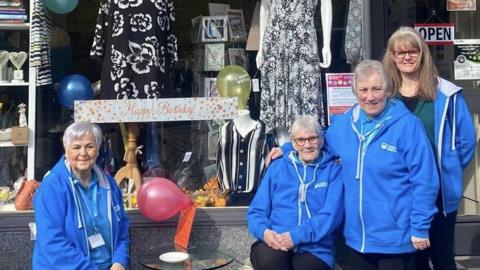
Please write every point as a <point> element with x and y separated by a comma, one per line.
<point>96,240</point>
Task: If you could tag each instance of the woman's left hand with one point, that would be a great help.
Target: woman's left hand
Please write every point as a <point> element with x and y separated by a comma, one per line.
<point>117,266</point>
<point>420,243</point>
<point>286,240</point>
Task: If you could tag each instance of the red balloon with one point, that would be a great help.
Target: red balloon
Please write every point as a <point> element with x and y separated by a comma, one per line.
<point>161,199</point>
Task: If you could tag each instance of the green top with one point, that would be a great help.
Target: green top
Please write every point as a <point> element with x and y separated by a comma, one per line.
<point>425,110</point>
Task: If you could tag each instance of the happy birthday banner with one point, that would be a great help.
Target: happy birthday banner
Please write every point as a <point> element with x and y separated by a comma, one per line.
<point>158,110</point>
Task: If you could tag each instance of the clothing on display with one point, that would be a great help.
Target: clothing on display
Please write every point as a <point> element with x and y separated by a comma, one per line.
<point>354,50</point>
<point>137,46</point>
<point>290,64</point>
<point>40,47</point>
<point>241,159</point>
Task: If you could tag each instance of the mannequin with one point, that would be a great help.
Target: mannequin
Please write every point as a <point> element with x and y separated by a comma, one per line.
<point>244,123</point>
<point>241,152</point>
<point>289,60</point>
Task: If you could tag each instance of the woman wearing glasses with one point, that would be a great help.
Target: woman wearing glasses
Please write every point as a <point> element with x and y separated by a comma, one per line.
<point>442,109</point>
<point>389,176</point>
<point>298,206</point>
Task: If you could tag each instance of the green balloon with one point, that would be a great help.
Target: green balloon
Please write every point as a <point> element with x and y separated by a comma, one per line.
<point>234,81</point>
<point>60,6</point>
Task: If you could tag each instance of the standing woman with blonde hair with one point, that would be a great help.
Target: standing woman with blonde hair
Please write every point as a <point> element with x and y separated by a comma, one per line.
<point>441,107</point>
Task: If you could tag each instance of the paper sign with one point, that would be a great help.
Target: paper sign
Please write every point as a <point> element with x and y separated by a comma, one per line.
<point>148,110</point>
<point>466,55</point>
<point>340,97</point>
<point>184,227</point>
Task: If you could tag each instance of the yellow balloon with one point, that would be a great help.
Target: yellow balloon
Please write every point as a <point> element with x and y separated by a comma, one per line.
<point>234,81</point>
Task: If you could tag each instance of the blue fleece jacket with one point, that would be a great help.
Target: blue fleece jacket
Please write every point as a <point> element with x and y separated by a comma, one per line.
<point>391,184</point>
<point>454,141</point>
<point>61,241</point>
<point>303,199</point>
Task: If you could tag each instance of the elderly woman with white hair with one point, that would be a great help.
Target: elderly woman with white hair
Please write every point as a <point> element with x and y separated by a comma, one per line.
<point>298,206</point>
<point>389,175</point>
<point>79,214</point>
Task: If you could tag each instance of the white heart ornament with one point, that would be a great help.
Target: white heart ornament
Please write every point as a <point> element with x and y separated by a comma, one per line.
<point>18,59</point>
<point>3,58</point>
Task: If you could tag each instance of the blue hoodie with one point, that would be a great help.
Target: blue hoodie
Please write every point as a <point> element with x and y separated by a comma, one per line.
<point>391,183</point>
<point>303,199</point>
<point>454,141</point>
<point>61,241</point>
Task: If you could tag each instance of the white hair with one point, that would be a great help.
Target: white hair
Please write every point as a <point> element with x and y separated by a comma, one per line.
<point>78,130</point>
<point>306,122</point>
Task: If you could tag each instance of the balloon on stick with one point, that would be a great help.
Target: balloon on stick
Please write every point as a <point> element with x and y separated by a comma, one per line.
<point>60,6</point>
<point>74,87</point>
<point>160,199</point>
<point>234,81</point>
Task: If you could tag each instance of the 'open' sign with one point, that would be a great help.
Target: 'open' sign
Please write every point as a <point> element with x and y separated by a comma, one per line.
<point>436,33</point>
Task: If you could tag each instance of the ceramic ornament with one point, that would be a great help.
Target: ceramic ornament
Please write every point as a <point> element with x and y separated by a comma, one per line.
<point>17,59</point>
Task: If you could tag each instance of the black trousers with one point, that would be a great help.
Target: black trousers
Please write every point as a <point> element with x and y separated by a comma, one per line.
<point>379,261</point>
<point>441,252</point>
<point>265,258</point>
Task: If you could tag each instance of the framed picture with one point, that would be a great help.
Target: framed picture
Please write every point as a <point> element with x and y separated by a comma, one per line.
<point>236,23</point>
<point>196,33</point>
<point>214,56</point>
<point>214,29</point>
<point>210,86</point>
<point>237,57</point>
<point>217,9</point>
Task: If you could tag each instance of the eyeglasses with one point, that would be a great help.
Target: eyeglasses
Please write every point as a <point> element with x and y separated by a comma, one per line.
<point>402,54</point>
<point>302,141</point>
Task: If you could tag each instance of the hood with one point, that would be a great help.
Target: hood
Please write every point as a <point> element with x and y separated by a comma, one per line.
<point>447,88</point>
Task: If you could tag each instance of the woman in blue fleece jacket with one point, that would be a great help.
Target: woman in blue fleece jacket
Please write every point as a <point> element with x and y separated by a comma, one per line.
<point>298,206</point>
<point>81,223</point>
<point>441,107</point>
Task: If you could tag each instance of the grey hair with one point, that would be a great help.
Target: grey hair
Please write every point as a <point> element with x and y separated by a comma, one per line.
<point>306,122</point>
<point>78,130</point>
<point>366,68</point>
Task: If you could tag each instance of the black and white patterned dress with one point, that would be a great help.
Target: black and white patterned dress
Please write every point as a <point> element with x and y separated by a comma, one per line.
<point>137,45</point>
<point>291,79</point>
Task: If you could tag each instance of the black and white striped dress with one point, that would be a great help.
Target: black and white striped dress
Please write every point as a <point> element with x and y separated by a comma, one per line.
<point>241,160</point>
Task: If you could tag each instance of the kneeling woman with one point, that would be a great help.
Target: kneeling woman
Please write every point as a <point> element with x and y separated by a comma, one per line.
<point>298,206</point>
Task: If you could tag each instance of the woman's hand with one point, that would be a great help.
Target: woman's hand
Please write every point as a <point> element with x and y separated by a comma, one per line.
<point>117,266</point>
<point>286,240</point>
<point>420,243</point>
<point>275,153</point>
<point>272,239</point>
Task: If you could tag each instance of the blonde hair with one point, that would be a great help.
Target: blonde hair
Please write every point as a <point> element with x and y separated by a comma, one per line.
<point>427,72</point>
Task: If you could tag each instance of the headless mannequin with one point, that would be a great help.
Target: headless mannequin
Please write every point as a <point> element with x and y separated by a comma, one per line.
<point>244,123</point>
<point>326,13</point>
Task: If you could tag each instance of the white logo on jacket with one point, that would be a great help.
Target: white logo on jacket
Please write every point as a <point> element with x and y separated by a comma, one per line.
<point>389,148</point>
<point>322,184</point>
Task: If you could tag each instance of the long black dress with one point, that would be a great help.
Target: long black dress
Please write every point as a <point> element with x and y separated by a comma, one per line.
<point>137,47</point>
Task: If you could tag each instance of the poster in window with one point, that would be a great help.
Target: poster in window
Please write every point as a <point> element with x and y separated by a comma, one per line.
<point>340,97</point>
<point>466,55</point>
<point>236,23</point>
<point>461,5</point>
<point>214,56</point>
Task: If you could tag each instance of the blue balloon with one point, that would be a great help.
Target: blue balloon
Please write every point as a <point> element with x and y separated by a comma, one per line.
<point>60,6</point>
<point>74,87</point>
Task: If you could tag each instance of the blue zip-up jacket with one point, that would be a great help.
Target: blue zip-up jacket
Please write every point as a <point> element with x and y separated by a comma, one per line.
<point>391,183</point>
<point>61,241</point>
<point>455,141</point>
<point>303,199</point>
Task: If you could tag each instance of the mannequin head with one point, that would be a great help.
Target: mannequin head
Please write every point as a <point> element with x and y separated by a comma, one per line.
<point>234,81</point>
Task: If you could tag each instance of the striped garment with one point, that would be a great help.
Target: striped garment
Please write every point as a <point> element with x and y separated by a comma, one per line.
<point>241,160</point>
<point>41,30</point>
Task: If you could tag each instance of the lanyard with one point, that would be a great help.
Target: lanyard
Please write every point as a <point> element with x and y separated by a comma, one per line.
<point>92,213</point>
